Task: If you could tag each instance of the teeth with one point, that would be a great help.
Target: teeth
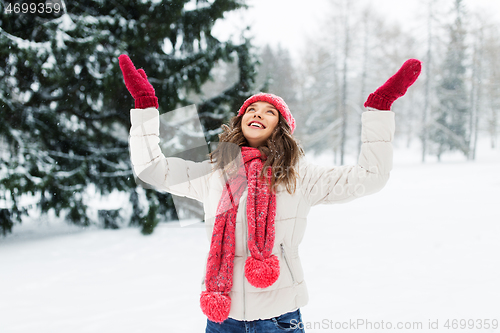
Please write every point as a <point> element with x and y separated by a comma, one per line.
<point>256,125</point>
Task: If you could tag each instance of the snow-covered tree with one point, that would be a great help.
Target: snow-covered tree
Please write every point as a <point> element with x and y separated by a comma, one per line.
<point>449,130</point>
<point>353,53</point>
<point>278,74</point>
<point>64,108</point>
<point>487,78</point>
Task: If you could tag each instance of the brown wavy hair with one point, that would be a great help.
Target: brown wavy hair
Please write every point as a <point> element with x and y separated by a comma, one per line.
<point>283,152</point>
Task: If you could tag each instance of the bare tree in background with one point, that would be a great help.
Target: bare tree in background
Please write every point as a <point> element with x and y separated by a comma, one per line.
<point>476,89</point>
<point>490,108</point>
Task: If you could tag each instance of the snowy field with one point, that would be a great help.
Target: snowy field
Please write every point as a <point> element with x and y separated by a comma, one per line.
<point>424,249</point>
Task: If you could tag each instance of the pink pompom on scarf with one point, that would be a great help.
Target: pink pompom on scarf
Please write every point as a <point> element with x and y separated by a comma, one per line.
<point>262,267</point>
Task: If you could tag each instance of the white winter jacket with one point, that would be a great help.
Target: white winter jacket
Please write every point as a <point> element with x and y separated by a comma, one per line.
<point>316,185</point>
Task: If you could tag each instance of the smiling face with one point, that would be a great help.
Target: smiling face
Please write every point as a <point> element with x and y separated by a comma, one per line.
<point>258,122</point>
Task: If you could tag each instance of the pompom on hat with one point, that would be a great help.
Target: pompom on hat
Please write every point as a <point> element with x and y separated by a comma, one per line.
<point>278,103</point>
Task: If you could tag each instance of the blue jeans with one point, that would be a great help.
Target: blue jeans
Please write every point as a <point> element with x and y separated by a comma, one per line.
<point>289,322</point>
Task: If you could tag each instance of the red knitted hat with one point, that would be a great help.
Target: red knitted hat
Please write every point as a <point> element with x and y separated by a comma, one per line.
<point>278,103</point>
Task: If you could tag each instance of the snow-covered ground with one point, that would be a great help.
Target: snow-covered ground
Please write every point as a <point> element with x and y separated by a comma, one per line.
<point>424,249</point>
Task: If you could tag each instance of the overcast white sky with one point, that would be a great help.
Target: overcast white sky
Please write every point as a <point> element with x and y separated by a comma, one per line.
<point>290,22</point>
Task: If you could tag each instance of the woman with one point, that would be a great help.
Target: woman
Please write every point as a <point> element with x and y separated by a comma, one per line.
<point>257,190</point>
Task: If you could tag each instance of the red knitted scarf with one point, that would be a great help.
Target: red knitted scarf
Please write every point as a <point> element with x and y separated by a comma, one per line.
<point>261,267</point>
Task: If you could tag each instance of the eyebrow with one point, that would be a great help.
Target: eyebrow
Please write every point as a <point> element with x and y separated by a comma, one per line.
<point>271,106</point>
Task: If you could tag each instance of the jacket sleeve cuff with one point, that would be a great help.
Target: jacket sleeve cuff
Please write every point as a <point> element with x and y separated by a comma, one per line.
<point>144,122</point>
<point>378,126</point>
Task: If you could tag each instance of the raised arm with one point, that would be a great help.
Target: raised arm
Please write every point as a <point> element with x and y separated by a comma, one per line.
<point>174,175</point>
<point>323,185</point>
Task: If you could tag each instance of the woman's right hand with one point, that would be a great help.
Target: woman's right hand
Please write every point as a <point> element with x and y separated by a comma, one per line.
<point>137,84</point>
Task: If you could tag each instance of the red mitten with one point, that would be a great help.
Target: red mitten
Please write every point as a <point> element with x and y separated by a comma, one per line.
<point>396,86</point>
<point>137,84</point>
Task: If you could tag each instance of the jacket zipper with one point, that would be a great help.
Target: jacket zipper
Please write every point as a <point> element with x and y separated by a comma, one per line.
<point>283,254</point>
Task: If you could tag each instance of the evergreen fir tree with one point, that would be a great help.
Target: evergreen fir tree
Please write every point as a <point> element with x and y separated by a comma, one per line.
<point>64,112</point>
<point>277,69</point>
<point>450,118</point>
